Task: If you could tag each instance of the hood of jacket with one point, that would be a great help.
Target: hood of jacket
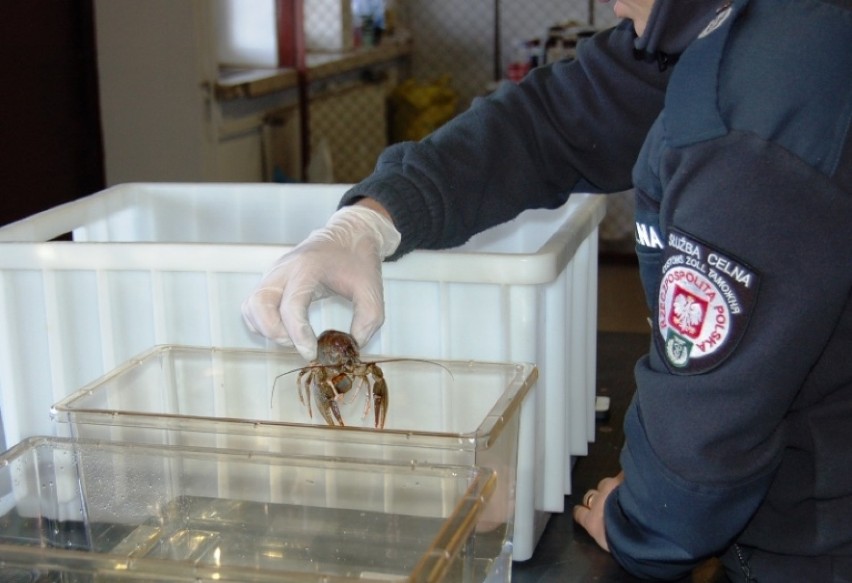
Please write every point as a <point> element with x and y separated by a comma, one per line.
<point>673,25</point>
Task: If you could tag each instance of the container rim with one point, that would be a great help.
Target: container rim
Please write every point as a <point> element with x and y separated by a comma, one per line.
<point>485,435</point>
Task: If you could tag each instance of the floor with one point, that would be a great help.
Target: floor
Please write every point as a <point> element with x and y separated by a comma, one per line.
<point>621,302</point>
<point>565,552</point>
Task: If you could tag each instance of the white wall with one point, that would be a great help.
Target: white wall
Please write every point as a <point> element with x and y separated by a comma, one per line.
<point>156,66</point>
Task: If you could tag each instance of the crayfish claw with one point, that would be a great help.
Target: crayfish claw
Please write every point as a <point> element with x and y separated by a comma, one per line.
<point>380,402</point>
<point>328,408</point>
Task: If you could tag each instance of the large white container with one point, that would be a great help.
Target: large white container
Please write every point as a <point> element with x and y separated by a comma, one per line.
<point>170,264</point>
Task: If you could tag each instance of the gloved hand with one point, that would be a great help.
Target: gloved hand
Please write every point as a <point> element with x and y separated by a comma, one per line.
<point>343,258</point>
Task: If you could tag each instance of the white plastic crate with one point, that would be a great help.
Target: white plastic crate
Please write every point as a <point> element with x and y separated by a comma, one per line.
<point>171,263</point>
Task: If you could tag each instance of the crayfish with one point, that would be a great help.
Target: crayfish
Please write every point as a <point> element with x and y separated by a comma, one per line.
<point>336,371</point>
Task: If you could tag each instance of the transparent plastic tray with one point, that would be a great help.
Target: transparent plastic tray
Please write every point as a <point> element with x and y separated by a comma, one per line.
<point>444,412</point>
<point>82,510</point>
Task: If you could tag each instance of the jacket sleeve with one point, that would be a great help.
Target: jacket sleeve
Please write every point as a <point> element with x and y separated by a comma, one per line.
<point>570,125</point>
<point>765,417</point>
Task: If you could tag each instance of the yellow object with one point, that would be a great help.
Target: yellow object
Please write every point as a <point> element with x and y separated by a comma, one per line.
<point>418,109</point>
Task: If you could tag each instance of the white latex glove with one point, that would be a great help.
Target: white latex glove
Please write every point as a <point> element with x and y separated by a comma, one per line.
<point>343,258</point>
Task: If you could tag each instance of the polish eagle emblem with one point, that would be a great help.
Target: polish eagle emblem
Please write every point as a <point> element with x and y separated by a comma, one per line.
<point>687,313</point>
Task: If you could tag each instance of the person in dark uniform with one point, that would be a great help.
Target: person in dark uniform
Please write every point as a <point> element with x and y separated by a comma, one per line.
<point>731,120</point>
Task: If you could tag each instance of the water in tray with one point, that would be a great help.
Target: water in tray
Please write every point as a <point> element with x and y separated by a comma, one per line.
<point>212,532</point>
<point>255,536</point>
<point>275,537</point>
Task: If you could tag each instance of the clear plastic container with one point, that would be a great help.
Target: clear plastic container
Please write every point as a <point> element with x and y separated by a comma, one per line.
<point>87,511</point>
<point>444,412</point>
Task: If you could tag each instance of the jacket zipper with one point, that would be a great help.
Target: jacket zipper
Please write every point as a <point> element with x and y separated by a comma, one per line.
<point>743,564</point>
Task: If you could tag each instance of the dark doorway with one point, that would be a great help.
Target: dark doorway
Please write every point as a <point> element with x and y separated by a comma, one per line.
<point>50,142</point>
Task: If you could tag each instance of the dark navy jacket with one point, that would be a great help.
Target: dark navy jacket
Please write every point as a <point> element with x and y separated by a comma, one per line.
<point>739,438</point>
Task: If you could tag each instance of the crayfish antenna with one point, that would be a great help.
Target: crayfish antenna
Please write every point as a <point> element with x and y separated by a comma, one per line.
<point>275,381</point>
<point>449,372</point>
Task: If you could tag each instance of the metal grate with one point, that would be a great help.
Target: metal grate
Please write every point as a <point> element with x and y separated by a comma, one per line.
<point>471,42</point>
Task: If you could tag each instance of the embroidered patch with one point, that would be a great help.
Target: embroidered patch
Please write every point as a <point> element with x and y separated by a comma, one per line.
<point>704,304</point>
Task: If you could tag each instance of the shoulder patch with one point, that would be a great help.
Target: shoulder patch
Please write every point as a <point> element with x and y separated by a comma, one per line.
<point>704,304</point>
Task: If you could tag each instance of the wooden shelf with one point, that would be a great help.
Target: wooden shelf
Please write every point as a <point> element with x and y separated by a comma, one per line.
<point>242,83</point>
